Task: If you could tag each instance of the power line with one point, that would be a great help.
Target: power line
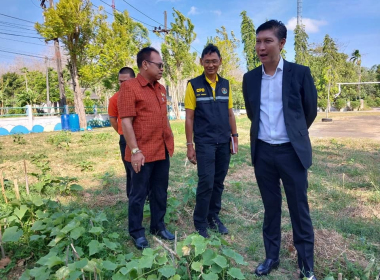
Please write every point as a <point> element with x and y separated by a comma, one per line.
<point>22,32</point>
<point>23,54</point>
<point>129,16</point>
<point>11,24</point>
<point>22,35</point>
<point>17,18</point>
<point>143,13</point>
<point>34,3</point>
<point>104,10</point>
<point>23,41</point>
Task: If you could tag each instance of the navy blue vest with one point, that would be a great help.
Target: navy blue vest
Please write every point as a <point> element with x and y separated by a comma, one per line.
<point>211,116</point>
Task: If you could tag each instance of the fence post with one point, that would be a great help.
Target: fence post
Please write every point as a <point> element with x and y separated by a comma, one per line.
<point>66,110</point>
<point>29,111</point>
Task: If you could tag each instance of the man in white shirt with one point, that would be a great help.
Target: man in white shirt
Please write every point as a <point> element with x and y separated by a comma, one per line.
<point>281,102</point>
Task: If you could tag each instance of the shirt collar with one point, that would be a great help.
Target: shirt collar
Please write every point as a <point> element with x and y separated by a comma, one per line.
<point>280,66</point>
<point>216,80</point>
<point>143,82</point>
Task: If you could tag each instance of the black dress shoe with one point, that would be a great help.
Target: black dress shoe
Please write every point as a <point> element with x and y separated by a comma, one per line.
<point>203,232</point>
<point>141,243</point>
<point>164,234</point>
<point>217,225</point>
<point>266,267</point>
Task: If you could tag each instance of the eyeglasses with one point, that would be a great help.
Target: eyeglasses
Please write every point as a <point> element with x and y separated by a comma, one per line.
<point>209,62</point>
<point>159,65</point>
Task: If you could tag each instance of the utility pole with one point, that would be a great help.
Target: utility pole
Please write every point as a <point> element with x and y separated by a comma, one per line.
<point>165,30</point>
<point>47,82</point>
<point>62,95</point>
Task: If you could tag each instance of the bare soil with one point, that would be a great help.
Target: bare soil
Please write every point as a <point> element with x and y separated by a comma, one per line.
<point>350,124</point>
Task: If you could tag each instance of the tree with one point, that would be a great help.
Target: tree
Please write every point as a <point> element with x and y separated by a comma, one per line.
<point>114,46</point>
<point>301,45</point>
<point>248,38</point>
<point>179,61</point>
<point>73,21</point>
<point>330,58</point>
<point>356,58</point>
<point>227,47</point>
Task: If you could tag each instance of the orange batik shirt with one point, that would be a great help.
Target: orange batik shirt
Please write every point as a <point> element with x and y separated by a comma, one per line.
<point>147,105</point>
<point>113,112</point>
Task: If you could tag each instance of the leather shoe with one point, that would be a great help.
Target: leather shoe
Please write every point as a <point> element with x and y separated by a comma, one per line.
<point>203,232</point>
<point>141,243</point>
<point>217,225</point>
<point>266,267</point>
<point>164,234</point>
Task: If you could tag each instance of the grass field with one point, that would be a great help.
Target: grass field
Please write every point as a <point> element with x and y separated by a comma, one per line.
<point>344,196</point>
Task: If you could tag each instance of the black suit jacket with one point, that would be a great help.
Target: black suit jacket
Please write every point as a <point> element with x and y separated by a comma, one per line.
<point>299,99</point>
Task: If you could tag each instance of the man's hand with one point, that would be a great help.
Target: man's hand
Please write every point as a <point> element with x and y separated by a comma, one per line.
<point>137,161</point>
<point>191,154</point>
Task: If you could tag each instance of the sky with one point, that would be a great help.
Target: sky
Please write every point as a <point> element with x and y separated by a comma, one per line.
<point>353,24</point>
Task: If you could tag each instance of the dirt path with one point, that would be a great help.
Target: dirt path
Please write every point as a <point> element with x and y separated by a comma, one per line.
<point>350,124</point>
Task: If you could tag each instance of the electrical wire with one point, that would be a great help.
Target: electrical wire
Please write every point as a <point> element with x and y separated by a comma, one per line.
<point>129,16</point>
<point>17,18</point>
<point>11,25</point>
<point>24,54</point>
<point>143,13</point>
<point>23,42</point>
<point>17,31</point>
<point>104,10</point>
<point>22,35</point>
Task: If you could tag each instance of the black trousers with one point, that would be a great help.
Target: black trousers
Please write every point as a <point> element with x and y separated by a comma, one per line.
<point>123,145</point>
<point>212,162</point>
<point>153,179</point>
<point>273,163</point>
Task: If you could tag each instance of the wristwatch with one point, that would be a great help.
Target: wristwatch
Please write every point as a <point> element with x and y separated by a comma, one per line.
<point>235,135</point>
<point>135,151</point>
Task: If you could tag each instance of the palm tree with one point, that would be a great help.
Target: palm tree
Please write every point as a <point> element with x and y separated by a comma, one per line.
<point>356,58</point>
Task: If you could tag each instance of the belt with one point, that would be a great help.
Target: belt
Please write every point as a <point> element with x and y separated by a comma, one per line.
<point>275,145</point>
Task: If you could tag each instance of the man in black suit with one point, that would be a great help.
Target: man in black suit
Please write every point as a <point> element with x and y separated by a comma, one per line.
<point>281,102</point>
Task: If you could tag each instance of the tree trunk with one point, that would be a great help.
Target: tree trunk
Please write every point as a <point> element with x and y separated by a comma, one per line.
<point>78,96</point>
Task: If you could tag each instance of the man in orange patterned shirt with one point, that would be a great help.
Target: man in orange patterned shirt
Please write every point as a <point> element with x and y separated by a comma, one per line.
<point>125,74</point>
<point>150,142</point>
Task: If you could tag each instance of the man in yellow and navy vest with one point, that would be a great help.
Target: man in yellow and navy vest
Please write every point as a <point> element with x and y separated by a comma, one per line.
<point>210,122</point>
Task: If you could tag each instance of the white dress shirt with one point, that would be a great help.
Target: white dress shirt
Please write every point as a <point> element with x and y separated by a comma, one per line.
<point>272,125</point>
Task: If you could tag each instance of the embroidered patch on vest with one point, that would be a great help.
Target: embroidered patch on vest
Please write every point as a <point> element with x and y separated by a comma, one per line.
<point>224,91</point>
<point>200,90</point>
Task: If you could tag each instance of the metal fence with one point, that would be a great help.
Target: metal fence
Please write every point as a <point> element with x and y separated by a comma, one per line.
<point>9,112</point>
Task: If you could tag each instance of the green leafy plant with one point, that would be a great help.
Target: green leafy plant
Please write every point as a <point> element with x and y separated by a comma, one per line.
<point>61,139</point>
<point>86,165</point>
<point>67,185</point>
<point>19,139</point>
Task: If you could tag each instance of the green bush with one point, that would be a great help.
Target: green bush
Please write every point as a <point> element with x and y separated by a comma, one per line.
<point>355,104</point>
<point>377,101</point>
<point>322,103</point>
<point>340,103</point>
<point>370,102</point>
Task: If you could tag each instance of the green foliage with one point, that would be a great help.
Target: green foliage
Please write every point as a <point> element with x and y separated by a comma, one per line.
<point>248,38</point>
<point>301,46</point>
<point>227,45</point>
<point>86,165</point>
<point>355,104</point>
<point>19,139</point>
<point>340,103</point>
<point>61,139</point>
<point>179,61</point>
<point>322,103</point>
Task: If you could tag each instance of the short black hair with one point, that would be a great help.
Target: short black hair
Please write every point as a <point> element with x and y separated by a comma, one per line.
<point>144,54</point>
<point>127,70</point>
<point>210,48</point>
<point>278,27</point>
